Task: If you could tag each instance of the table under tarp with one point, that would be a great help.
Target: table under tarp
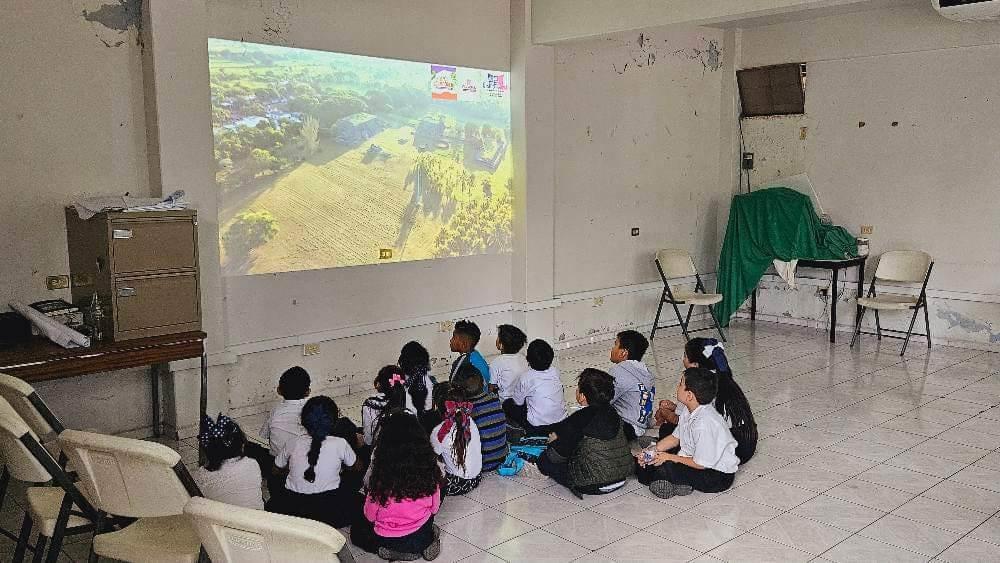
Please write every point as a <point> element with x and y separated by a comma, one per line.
<point>773,223</point>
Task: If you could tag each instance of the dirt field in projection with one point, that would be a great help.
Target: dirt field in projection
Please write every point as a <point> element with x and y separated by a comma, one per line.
<point>339,208</point>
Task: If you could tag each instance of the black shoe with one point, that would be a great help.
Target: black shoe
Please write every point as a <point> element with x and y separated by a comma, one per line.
<point>434,549</point>
<point>393,555</point>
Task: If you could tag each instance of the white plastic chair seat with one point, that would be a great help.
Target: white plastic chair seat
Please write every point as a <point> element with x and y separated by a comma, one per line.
<point>692,298</point>
<point>44,504</point>
<point>167,539</point>
<point>889,301</point>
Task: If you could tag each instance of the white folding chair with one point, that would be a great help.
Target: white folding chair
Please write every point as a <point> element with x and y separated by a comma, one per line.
<point>33,410</point>
<point>57,510</point>
<point>902,267</point>
<point>233,534</point>
<point>674,264</point>
<point>131,478</point>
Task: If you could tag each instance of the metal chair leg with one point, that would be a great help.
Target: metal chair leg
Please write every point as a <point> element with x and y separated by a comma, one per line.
<point>927,325</point>
<point>878,326</point>
<point>22,538</point>
<point>60,530</point>
<point>857,326</point>
<point>39,549</point>
<point>909,331</point>
<point>98,529</point>
<point>659,309</point>
<point>715,322</point>
<point>680,320</point>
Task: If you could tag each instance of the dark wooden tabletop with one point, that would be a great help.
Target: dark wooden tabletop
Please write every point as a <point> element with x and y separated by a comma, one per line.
<point>39,359</point>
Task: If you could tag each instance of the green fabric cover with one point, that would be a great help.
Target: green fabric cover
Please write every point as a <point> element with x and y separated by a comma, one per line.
<point>765,225</point>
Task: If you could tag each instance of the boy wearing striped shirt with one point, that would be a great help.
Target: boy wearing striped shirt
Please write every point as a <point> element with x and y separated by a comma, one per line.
<point>488,415</point>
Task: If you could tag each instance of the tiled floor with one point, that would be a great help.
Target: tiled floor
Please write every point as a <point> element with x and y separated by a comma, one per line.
<point>863,456</point>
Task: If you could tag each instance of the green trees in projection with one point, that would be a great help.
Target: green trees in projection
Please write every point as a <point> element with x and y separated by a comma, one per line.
<point>250,230</point>
<point>310,135</point>
<point>443,176</point>
<point>479,226</point>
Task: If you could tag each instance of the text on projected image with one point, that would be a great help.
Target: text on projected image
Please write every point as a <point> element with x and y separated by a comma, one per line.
<point>327,159</point>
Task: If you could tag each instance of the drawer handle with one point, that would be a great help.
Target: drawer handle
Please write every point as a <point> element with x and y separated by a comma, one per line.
<point>126,292</point>
<point>121,233</point>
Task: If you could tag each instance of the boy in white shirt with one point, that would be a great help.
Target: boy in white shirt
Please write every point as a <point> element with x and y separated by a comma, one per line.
<point>536,401</point>
<point>707,458</point>
<point>283,425</point>
<point>505,368</point>
<point>634,388</point>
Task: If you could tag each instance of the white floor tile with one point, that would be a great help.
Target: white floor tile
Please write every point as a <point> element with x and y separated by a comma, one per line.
<point>539,545</point>
<point>807,535</point>
<point>590,529</point>
<point>694,531</point>
<point>869,494</point>
<point>753,549</point>
<point>941,515</point>
<point>911,535</point>
<point>645,546</point>
<point>859,549</point>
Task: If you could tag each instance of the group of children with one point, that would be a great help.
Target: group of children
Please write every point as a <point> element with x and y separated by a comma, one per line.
<point>421,440</point>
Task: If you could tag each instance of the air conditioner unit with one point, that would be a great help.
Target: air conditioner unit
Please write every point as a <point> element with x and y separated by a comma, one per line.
<point>968,10</point>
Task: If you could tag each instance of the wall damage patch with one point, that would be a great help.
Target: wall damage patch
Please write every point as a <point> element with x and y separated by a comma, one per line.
<point>968,324</point>
<point>112,22</point>
<point>709,54</point>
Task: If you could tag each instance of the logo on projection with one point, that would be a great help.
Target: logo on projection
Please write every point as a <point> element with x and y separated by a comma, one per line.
<point>444,82</point>
<point>495,85</point>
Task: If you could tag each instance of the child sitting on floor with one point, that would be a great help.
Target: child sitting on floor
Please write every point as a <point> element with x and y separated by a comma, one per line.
<point>707,459</point>
<point>537,398</point>
<point>415,362</point>
<point>505,368</point>
<point>228,476</point>
<point>588,452</point>
<point>456,441</point>
<point>314,487</point>
<point>283,424</point>
<point>634,389</point>
<point>464,340</point>
<point>730,401</point>
<point>390,396</point>
<point>404,494</point>
<point>488,417</point>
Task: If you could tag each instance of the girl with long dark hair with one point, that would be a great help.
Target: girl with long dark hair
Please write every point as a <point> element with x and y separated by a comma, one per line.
<point>404,494</point>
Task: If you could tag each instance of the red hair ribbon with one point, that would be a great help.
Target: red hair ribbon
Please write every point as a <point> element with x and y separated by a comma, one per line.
<point>396,378</point>
<point>455,411</point>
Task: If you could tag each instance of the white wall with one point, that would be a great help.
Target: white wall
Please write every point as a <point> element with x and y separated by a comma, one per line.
<point>929,182</point>
<point>72,122</point>
<point>639,133</point>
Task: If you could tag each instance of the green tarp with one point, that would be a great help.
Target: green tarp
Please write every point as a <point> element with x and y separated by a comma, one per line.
<point>767,224</point>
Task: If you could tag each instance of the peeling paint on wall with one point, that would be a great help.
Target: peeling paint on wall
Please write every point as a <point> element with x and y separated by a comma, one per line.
<point>968,324</point>
<point>709,54</point>
<point>113,21</point>
<point>276,23</point>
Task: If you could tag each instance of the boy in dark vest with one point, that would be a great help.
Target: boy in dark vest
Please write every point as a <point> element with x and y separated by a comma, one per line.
<point>588,451</point>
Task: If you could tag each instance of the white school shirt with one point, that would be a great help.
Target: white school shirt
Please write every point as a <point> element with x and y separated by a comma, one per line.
<point>504,371</point>
<point>369,414</point>
<point>236,482</point>
<point>334,454</point>
<point>473,452</point>
<point>284,423</point>
<point>682,408</point>
<point>706,438</point>
<point>542,391</point>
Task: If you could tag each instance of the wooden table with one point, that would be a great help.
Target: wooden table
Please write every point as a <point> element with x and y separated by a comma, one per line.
<point>39,359</point>
<point>835,266</point>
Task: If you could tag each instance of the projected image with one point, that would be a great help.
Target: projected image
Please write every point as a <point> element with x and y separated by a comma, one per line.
<point>327,159</point>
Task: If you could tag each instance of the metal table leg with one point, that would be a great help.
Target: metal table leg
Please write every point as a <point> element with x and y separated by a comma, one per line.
<point>833,306</point>
<point>203,402</point>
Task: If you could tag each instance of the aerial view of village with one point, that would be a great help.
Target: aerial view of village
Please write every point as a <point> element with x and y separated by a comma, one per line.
<point>327,159</point>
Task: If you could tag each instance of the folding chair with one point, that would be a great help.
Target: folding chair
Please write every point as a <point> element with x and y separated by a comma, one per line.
<point>898,266</point>
<point>135,480</point>
<point>57,510</point>
<point>673,264</point>
<point>33,411</point>
<point>233,534</point>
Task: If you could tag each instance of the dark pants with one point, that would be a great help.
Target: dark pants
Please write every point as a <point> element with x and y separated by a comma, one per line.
<point>338,508</point>
<point>363,535</point>
<point>704,480</point>
<point>552,464</point>
<point>517,415</point>
<point>274,478</point>
<point>629,431</point>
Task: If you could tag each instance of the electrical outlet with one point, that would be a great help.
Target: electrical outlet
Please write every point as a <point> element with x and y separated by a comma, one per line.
<point>385,254</point>
<point>310,349</point>
<point>803,133</point>
<point>635,231</point>
<point>867,229</point>
<point>598,301</point>
<point>57,282</point>
<point>446,326</point>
